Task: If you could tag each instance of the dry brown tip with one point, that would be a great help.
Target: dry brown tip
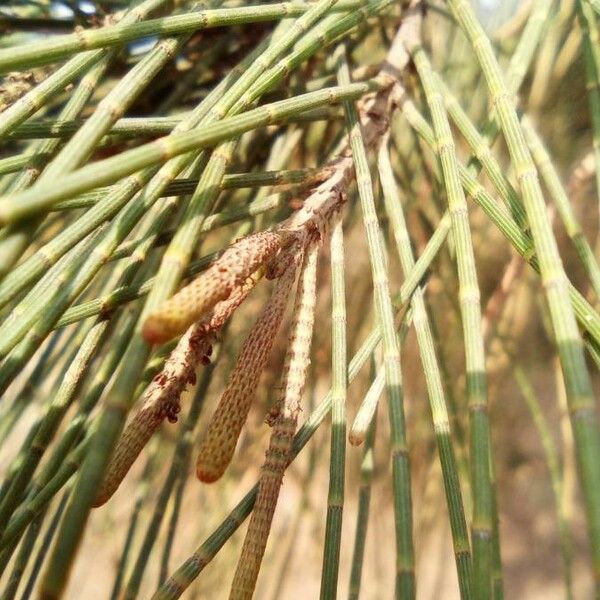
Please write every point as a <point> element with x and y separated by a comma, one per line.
<point>153,331</point>
<point>206,476</point>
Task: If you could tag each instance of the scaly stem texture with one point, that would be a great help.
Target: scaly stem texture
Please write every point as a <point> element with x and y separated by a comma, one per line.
<point>280,445</point>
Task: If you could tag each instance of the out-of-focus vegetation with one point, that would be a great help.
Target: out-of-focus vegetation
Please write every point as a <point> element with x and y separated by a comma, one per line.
<point>328,267</point>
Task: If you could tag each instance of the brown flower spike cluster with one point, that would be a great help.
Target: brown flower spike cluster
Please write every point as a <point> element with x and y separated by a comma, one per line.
<point>278,454</point>
<point>227,273</point>
<point>218,292</point>
<point>161,399</point>
<point>218,445</point>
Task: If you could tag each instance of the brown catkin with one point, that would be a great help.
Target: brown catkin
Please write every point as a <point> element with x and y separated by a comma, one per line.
<point>161,398</point>
<point>218,444</point>
<point>278,454</point>
<point>230,270</point>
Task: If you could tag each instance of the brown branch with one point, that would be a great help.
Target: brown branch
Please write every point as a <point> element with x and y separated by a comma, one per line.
<point>376,111</point>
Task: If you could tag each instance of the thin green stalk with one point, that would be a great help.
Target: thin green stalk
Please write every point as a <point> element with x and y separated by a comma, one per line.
<point>522,57</point>
<point>588,318</point>
<point>42,371</point>
<point>31,102</point>
<point>45,546</point>
<point>563,205</point>
<point>433,379</point>
<point>595,4</point>
<point>497,577</point>
<point>339,376</point>
<point>125,128</point>
<point>230,181</point>
<point>12,164</point>
<point>591,58</point>
<point>558,30</point>
<point>172,527</point>
<point>110,170</point>
<point>519,63</point>
<point>470,308</point>
<point>368,408</point>
<point>49,50</point>
<point>362,519</point>
<point>405,560</point>
<point>554,280</point>
<point>567,55</point>
<point>142,491</point>
<point>20,563</point>
<point>416,275</point>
